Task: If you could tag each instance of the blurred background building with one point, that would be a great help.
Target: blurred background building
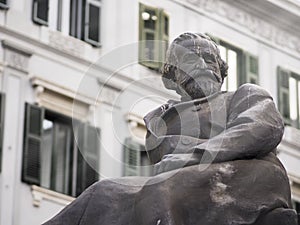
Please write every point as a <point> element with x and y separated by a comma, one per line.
<point>77,77</point>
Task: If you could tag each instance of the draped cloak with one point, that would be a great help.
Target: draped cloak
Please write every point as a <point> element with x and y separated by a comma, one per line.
<point>215,164</point>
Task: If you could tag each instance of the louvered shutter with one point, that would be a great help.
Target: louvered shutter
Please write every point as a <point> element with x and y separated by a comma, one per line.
<point>283,94</point>
<point>251,68</point>
<point>132,157</point>
<point>40,11</point>
<point>32,144</point>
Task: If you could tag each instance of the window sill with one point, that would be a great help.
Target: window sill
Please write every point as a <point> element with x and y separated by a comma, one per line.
<point>39,194</point>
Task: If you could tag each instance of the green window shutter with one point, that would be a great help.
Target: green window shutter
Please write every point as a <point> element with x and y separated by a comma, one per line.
<point>88,156</point>
<point>283,94</point>
<point>32,144</point>
<point>3,4</point>
<point>2,105</point>
<point>164,34</point>
<point>40,11</point>
<point>132,158</point>
<point>250,66</point>
<point>153,36</point>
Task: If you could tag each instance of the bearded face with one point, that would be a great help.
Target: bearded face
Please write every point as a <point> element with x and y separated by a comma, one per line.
<point>197,73</point>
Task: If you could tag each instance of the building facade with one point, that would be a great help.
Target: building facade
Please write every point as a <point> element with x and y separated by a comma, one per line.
<point>77,77</point>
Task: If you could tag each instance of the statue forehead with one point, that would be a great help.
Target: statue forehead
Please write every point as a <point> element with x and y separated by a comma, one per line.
<point>196,45</point>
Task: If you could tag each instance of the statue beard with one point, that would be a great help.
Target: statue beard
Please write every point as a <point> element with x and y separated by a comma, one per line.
<point>198,89</point>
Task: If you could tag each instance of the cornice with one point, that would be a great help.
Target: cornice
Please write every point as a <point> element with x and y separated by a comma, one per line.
<point>238,15</point>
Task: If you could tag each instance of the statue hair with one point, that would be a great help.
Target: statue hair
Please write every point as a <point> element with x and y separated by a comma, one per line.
<point>168,69</point>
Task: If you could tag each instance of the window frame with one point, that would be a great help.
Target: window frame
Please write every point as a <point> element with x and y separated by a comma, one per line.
<point>35,17</point>
<point>98,4</point>
<point>78,20</point>
<point>73,152</point>
<point>244,59</point>
<point>160,41</point>
<point>284,89</point>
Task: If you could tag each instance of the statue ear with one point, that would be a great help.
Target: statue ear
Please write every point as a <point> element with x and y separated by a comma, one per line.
<point>168,76</point>
<point>223,68</point>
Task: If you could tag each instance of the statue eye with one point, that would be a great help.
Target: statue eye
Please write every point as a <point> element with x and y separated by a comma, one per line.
<point>209,58</point>
<point>190,58</point>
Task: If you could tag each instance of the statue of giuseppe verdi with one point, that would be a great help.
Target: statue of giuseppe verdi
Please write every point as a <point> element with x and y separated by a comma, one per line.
<point>214,154</point>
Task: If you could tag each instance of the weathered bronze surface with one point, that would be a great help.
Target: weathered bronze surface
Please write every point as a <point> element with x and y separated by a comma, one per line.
<point>214,154</point>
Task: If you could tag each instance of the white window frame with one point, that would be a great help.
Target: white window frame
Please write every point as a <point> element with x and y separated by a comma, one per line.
<point>98,4</point>
<point>36,19</point>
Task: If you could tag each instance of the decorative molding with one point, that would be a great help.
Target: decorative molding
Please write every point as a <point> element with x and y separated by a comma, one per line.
<point>39,194</point>
<point>66,43</point>
<point>57,98</point>
<point>16,56</point>
<point>250,23</point>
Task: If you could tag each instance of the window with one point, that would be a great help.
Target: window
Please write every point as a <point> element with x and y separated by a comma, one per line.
<point>51,156</point>
<point>243,67</point>
<point>3,4</point>
<point>2,102</point>
<point>296,206</point>
<point>40,11</point>
<point>85,20</point>
<point>78,18</point>
<point>136,161</point>
<point>153,36</point>
<point>289,96</point>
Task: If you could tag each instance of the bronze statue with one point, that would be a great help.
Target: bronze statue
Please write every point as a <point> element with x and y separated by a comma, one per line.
<point>214,154</point>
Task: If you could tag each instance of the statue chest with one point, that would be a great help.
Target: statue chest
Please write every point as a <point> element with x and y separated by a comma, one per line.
<point>203,120</point>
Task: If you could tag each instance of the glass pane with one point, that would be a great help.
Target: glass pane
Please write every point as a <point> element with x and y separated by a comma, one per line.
<point>223,52</point>
<point>34,121</point>
<point>232,70</point>
<point>94,23</point>
<point>293,98</point>
<point>224,57</point>
<point>297,207</point>
<point>166,26</point>
<point>60,156</point>
<point>150,19</point>
<point>47,142</point>
<point>149,50</point>
<point>224,85</point>
<point>42,9</point>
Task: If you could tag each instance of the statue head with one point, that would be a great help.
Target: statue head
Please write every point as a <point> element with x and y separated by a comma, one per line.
<point>194,68</point>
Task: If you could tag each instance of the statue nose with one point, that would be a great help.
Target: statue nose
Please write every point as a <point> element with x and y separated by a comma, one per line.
<point>201,64</point>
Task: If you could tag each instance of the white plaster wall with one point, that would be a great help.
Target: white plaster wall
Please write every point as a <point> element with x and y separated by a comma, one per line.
<point>119,27</point>
<point>26,213</point>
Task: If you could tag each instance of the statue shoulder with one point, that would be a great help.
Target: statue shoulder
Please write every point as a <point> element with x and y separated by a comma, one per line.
<point>252,90</point>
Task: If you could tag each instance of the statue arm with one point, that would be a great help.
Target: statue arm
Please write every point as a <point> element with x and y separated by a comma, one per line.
<point>254,128</point>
